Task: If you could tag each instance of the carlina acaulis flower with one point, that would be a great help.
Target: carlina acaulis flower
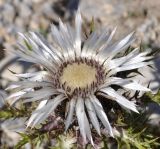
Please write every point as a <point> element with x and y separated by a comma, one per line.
<point>76,70</point>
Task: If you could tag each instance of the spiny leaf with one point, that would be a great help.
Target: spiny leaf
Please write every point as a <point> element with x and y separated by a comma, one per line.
<point>153,140</point>
<point>25,139</point>
<point>5,114</point>
<point>155,98</point>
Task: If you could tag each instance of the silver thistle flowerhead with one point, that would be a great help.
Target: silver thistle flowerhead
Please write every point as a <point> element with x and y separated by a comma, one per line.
<point>76,71</point>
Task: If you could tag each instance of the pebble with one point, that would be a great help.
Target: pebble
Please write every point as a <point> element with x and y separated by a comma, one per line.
<point>48,11</point>
<point>25,13</point>
<point>153,112</point>
<point>8,13</point>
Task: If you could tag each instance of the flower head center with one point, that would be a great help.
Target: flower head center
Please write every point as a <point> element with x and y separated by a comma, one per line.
<point>78,75</point>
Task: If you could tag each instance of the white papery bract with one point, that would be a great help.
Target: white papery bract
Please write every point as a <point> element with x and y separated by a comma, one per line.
<point>77,70</point>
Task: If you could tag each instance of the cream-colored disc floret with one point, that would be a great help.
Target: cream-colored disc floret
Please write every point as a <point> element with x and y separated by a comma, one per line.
<point>78,75</point>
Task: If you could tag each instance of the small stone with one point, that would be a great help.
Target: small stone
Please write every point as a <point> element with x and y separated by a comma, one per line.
<point>19,22</point>
<point>34,23</point>
<point>48,11</point>
<point>16,3</point>
<point>37,1</point>
<point>2,2</point>
<point>8,13</point>
<point>153,112</point>
<point>28,2</point>
<point>25,12</point>
<point>44,23</point>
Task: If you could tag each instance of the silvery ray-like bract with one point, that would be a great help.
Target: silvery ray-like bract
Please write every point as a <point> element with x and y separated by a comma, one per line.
<point>76,70</point>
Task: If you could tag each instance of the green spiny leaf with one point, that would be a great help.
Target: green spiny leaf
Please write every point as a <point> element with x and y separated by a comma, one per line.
<point>5,114</point>
<point>25,139</point>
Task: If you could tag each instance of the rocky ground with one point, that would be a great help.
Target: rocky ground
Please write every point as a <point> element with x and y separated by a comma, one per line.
<point>141,16</point>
